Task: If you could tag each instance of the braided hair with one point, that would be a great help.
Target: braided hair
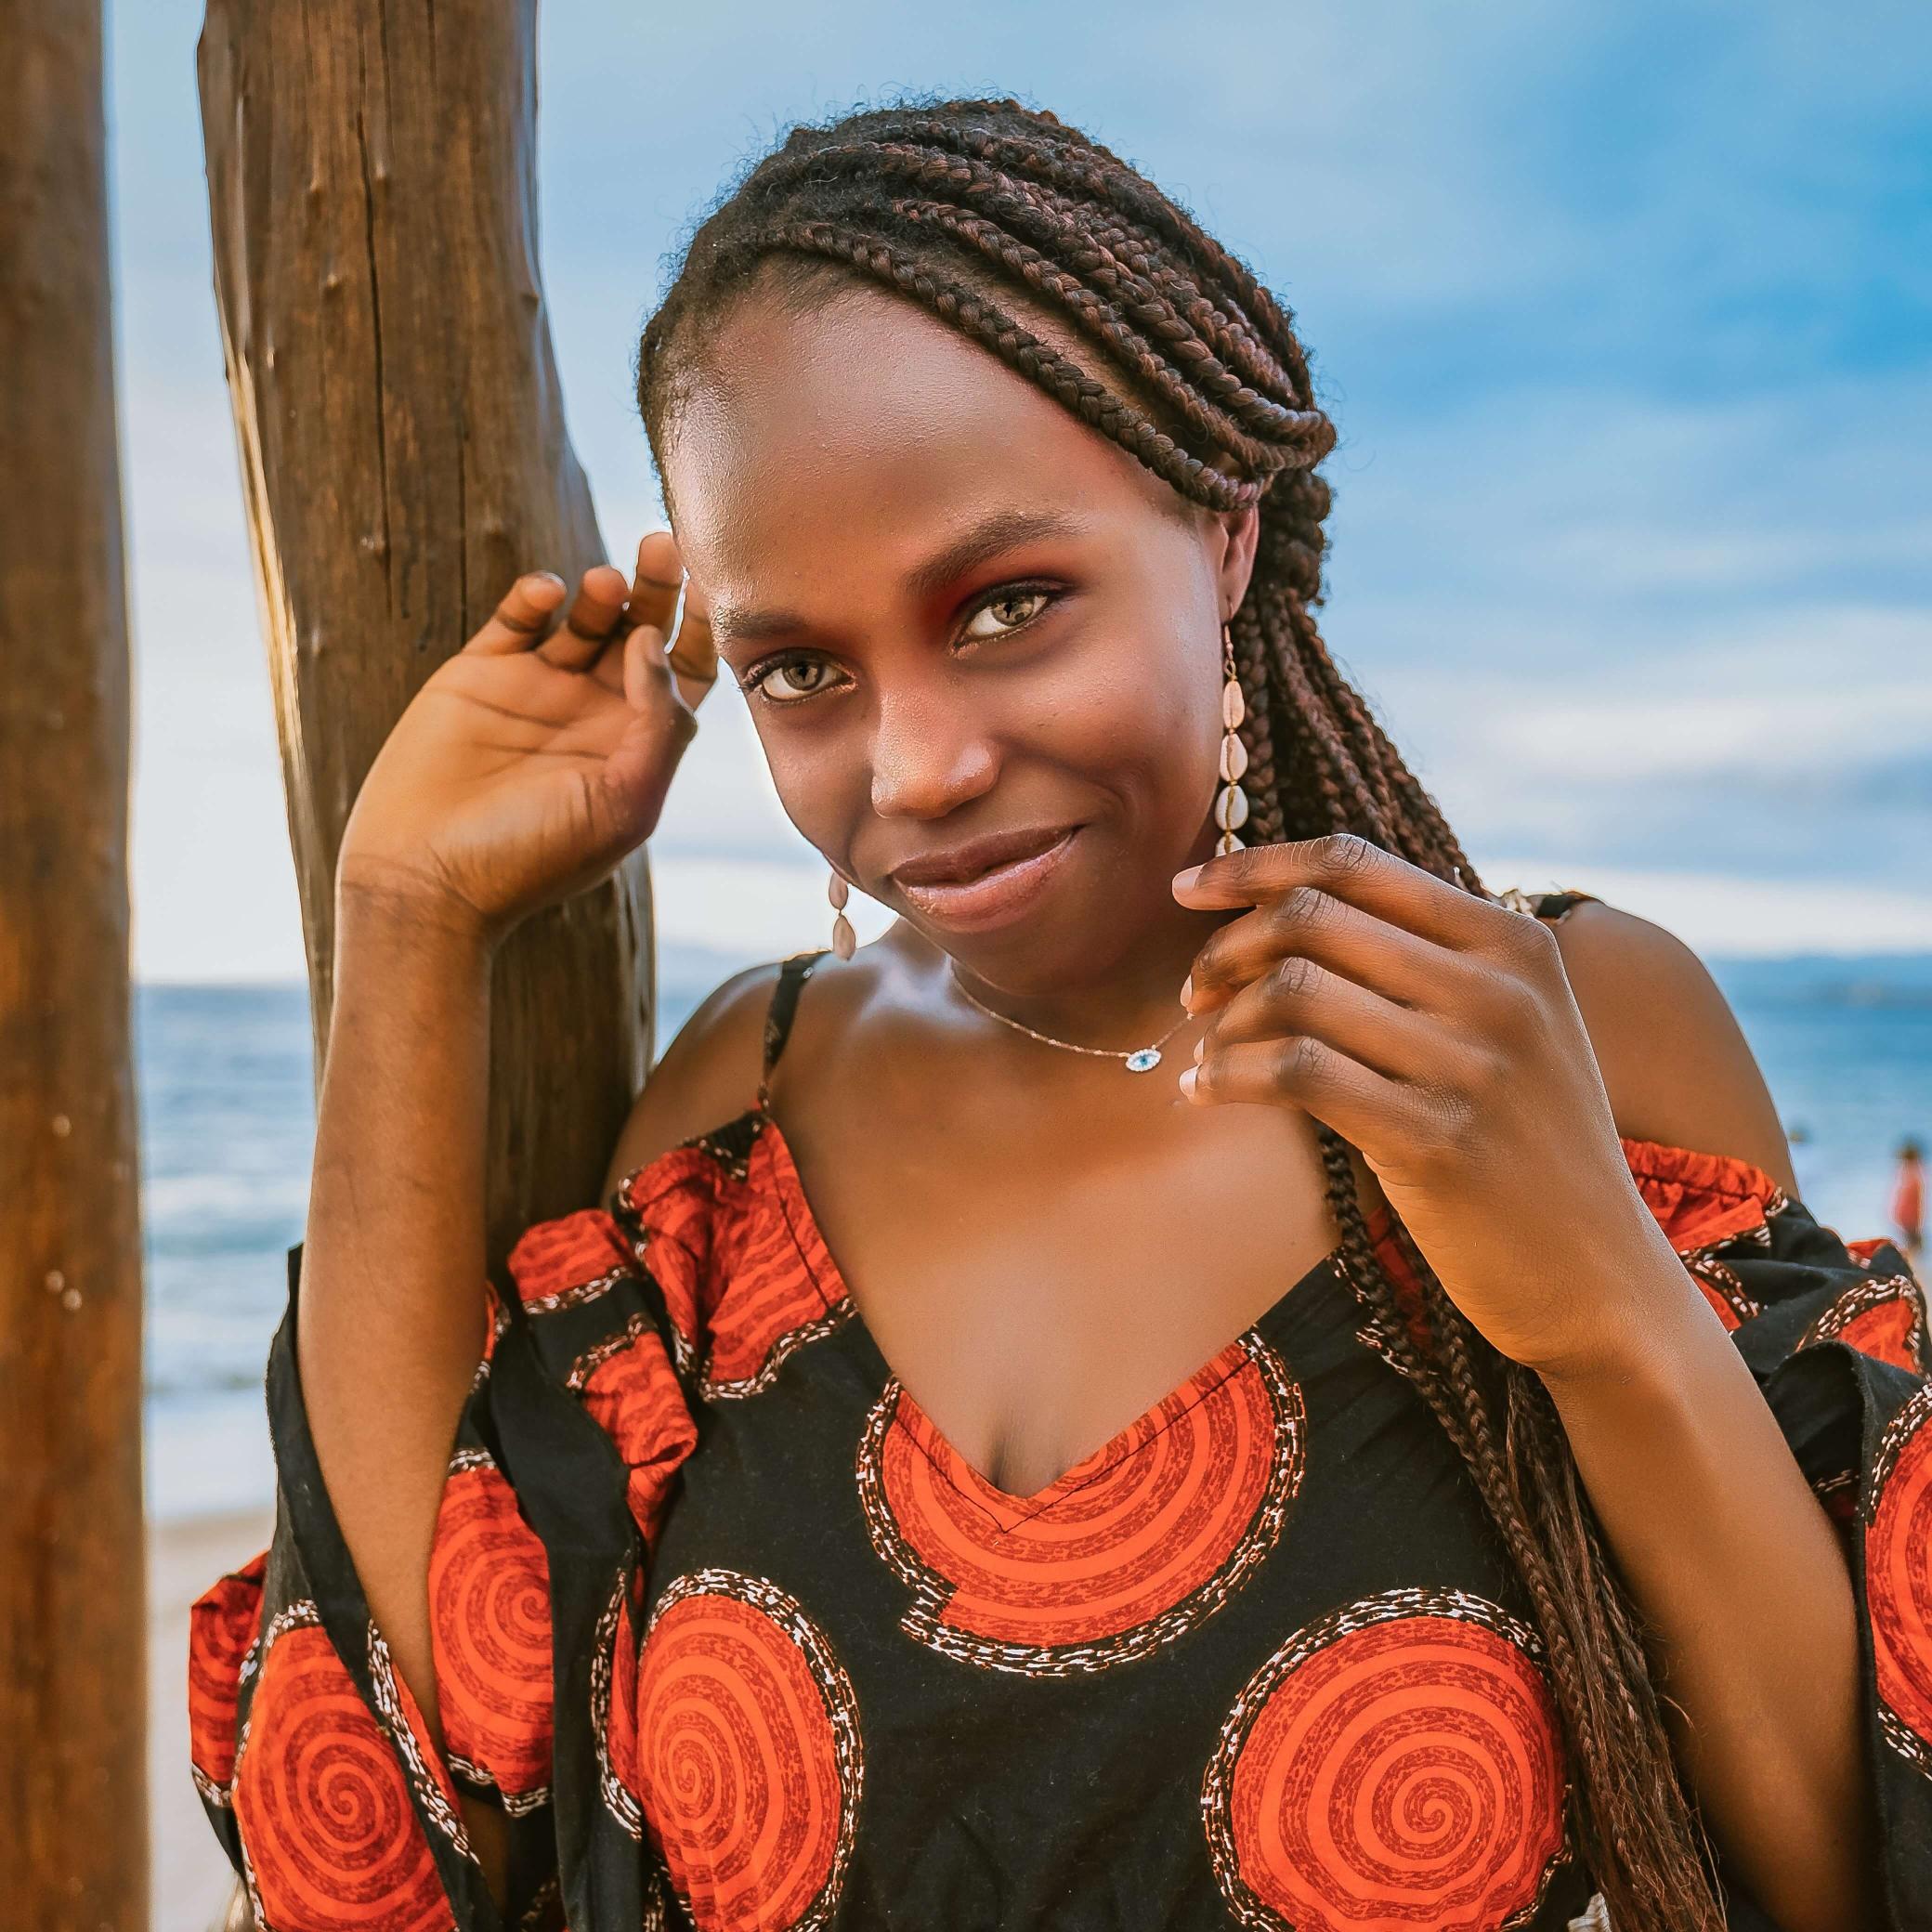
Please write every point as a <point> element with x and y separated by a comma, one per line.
<point>987,214</point>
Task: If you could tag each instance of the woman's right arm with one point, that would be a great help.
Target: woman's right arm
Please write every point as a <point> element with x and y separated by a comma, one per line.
<point>523,773</point>
<point>389,1326</point>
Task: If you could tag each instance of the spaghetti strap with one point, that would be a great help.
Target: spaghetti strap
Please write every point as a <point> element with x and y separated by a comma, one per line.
<point>793,971</point>
<point>1554,906</point>
<point>1558,906</point>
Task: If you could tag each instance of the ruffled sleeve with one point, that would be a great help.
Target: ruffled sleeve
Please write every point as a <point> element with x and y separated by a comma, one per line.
<point>312,1760</point>
<point>1835,1333</point>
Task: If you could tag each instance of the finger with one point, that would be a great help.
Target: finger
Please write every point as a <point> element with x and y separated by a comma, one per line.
<point>1363,1107</point>
<point>593,617</point>
<point>1351,869</point>
<point>1308,923</point>
<point>522,619</point>
<point>694,655</point>
<point>657,581</point>
<point>1299,995</point>
<point>644,670</point>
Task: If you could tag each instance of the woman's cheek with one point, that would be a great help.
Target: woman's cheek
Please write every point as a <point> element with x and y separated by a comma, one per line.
<point>814,787</point>
<point>1153,722</point>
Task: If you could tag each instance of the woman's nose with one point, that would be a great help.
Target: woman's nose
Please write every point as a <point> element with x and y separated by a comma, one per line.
<point>931,754</point>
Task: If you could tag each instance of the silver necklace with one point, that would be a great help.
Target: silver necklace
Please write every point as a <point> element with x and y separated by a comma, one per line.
<point>1139,1060</point>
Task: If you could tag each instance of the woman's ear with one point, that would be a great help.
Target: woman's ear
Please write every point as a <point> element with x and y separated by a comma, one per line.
<point>1243,535</point>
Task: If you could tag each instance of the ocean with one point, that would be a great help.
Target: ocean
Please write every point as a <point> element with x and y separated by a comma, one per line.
<point>227,1125</point>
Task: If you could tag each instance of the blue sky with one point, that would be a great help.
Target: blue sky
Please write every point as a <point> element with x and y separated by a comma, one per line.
<point>1624,315</point>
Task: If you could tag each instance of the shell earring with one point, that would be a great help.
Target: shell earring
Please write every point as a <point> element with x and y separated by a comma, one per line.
<point>845,941</point>
<point>1231,805</point>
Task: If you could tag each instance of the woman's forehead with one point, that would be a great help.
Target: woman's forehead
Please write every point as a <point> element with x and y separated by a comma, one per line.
<point>868,426</point>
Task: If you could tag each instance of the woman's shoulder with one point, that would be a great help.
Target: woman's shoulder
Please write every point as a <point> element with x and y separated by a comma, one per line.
<point>710,1073</point>
<point>1675,1061</point>
<point>707,1076</point>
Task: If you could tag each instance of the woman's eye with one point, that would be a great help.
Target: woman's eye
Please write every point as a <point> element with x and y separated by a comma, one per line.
<point>1010,609</point>
<point>785,669</point>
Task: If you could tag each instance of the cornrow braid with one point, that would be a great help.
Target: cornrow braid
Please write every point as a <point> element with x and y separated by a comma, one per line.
<point>991,215</point>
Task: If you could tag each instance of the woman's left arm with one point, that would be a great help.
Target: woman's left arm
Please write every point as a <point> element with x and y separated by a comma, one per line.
<point>1720,1537</point>
<point>1487,1073</point>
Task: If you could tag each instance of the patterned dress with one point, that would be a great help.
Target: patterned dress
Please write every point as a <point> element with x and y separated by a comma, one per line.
<point>737,1637</point>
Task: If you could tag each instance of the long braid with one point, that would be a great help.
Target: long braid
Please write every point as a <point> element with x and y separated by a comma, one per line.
<point>990,214</point>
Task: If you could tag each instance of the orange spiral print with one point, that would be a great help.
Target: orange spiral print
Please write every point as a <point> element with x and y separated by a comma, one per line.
<point>632,1395</point>
<point>746,1277</point>
<point>750,1757</point>
<point>1703,1201</point>
<point>561,1263</point>
<point>1883,1318</point>
<point>1139,1542</point>
<point>1899,1580</point>
<point>1397,1763</point>
<point>221,1626</point>
<point>322,1804</point>
<point>489,1624</point>
<point>778,1287</point>
<point>614,1703</point>
<point>674,1202</point>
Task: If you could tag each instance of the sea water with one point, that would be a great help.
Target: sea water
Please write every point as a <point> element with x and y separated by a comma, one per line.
<point>228,1127</point>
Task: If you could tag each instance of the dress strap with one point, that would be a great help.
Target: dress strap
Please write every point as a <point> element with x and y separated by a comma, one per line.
<point>1554,906</point>
<point>1558,906</point>
<point>793,971</point>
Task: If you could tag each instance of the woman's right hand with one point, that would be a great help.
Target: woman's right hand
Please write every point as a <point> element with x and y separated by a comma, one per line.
<point>534,759</point>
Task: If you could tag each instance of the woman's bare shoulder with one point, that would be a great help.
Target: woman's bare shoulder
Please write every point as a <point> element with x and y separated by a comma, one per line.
<point>1675,1061</point>
<point>707,1076</point>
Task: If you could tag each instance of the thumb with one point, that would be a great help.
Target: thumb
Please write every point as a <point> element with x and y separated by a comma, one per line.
<point>635,777</point>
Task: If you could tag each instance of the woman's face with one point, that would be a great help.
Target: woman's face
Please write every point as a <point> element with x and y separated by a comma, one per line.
<point>958,614</point>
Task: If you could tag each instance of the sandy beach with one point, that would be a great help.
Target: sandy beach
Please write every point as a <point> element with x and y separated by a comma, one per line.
<point>191,1880</point>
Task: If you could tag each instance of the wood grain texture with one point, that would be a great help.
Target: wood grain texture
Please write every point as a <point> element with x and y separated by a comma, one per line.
<point>73,1839</point>
<point>370,176</point>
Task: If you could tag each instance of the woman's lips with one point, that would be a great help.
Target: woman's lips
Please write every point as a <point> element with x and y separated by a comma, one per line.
<point>996,897</point>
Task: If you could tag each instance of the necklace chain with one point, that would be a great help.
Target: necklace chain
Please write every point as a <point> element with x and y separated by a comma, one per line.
<point>1072,1047</point>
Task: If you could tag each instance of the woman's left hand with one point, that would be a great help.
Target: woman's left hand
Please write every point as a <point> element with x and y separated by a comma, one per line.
<point>1437,1033</point>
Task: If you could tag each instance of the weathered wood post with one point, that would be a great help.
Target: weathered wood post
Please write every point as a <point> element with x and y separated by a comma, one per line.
<point>73,1822</point>
<point>371,175</point>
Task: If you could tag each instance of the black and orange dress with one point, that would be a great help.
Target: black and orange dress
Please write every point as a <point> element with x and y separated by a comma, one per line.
<point>736,1637</point>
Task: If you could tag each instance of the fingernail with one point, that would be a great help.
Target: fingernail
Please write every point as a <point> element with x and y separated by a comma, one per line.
<point>1187,1081</point>
<point>1200,1050</point>
<point>1184,879</point>
<point>1187,992</point>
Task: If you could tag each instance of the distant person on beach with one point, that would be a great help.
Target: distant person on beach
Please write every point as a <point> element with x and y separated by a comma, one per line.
<point>1464,1574</point>
<point>1908,1200</point>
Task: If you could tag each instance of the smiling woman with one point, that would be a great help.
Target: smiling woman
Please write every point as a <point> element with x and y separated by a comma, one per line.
<point>1401,1472</point>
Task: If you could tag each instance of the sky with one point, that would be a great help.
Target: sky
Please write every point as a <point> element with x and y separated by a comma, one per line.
<point>1624,314</point>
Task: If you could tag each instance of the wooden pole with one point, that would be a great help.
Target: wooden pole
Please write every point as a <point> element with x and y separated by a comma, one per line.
<point>371,175</point>
<point>74,1817</point>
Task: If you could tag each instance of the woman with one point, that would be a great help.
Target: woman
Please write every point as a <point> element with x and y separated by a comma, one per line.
<point>1219,1373</point>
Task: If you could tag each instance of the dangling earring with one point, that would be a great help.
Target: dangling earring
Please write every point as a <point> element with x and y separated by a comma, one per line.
<point>845,941</point>
<point>1230,805</point>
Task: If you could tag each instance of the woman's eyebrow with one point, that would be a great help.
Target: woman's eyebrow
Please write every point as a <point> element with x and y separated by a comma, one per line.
<point>1003,530</point>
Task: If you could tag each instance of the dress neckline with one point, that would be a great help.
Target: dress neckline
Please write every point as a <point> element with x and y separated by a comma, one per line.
<point>1130,1437</point>
<point>1652,1161</point>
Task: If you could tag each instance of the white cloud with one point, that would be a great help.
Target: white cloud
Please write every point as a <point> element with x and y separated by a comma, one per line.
<point>1720,916</point>
<point>1801,690</point>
